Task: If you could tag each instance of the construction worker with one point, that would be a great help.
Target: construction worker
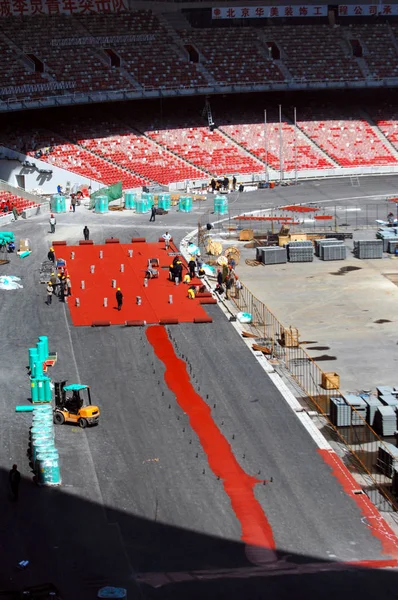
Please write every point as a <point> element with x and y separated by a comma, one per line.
<point>51,255</point>
<point>228,285</point>
<point>178,270</point>
<point>49,292</point>
<point>186,279</point>
<point>119,299</point>
<point>167,237</point>
<point>53,222</point>
<point>192,292</point>
<point>153,213</point>
<point>68,285</point>
<point>192,267</point>
<point>172,272</point>
<point>14,479</point>
<point>86,233</point>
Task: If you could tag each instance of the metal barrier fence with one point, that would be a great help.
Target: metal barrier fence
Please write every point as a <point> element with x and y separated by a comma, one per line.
<point>360,444</point>
<point>336,217</point>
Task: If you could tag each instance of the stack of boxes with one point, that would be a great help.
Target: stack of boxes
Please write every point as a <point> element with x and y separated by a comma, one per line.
<point>272,255</point>
<point>300,251</point>
<point>368,249</point>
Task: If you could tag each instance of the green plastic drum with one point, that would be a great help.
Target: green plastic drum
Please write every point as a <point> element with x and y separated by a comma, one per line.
<point>141,206</point>
<point>148,199</point>
<point>185,204</point>
<point>44,340</point>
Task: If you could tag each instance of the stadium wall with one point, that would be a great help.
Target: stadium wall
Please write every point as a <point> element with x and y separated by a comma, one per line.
<point>12,167</point>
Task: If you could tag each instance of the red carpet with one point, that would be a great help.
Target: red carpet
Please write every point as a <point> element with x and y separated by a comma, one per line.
<point>155,304</point>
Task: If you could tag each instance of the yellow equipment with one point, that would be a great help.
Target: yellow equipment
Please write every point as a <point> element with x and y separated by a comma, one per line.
<point>71,407</point>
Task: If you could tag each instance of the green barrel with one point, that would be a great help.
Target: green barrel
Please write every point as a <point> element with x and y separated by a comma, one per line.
<point>33,358</point>
<point>44,340</point>
<point>164,201</point>
<point>129,200</point>
<point>38,410</point>
<point>223,208</point>
<point>48,396</point>
<point>185,204</point>
<point>148,199</point>
<point>41,350</point>
<point>34,391</point>
<point>49,471</point>
<point>101,204</point>
<point>62,204</point>
<point>7,236</point>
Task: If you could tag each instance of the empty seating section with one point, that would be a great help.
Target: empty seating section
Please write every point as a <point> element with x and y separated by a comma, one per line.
<point>14,200</point>
<point>207,150</point>
<point>154,63</point>
<point>314,52</point>
<point>14,72</point>
<point>380,53</point>
<point>116,142</point>
<point>351,142</point>
<point>81,67</point>
<point>60,153</point>
<point>386,118</point>
<point>251,136</point>
<point>224,59</point>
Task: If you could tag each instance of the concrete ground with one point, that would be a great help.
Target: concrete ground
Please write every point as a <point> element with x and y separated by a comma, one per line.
<point>139,506</point>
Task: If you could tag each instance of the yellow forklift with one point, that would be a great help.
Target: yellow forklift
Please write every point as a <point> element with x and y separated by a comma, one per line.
<point>73,405</point>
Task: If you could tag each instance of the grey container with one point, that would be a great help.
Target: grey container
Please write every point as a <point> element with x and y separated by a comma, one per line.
<point>392,246</point>
<point>336,252</point>
<point>368,249</point>
<point>340,412</point>
<point>274,255</point>
<point>301,244</point>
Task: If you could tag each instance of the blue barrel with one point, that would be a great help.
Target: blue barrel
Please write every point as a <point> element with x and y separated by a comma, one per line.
<point>101,204</point>
<point>129,200</point>
<point>223,207</point>
<point>58,204</point>
<point>49,471</point>
<point>185,204</point>
<point>164,201</point>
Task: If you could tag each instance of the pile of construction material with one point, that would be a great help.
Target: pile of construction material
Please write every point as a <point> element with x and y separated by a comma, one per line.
<point>368,249</point>
<point>271,255</point>
<point>387,459</point>
<point>389,237</point>
<point>330,249</point>
<point>300,251</point>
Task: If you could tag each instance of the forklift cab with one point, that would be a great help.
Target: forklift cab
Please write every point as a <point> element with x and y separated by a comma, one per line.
<point>73,404</point>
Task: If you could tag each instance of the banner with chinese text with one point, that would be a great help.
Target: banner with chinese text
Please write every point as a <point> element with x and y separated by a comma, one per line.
<point>367,10</point>
<point>19,8</point>
<point>269,12</point>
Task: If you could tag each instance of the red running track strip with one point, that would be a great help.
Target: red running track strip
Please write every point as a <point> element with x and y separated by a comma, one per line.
<point>239,486</point>
<point>377,525</point>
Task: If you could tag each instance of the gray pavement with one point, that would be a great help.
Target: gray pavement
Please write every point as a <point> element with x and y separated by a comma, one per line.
<point>134,497</point>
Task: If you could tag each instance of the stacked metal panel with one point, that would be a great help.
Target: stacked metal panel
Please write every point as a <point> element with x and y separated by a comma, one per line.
<point>340,412</point>
<point>319,243</point>
<point>394,488</point>
<point>385,422</point>
<point>335,252</point>
<point>368,249</point>
<point>392,246</point>
<point>259,253</point>
<point>388,399</point>
<point>273,255</point>
<point>387,235</point>
<point>373,403</point>
<point>360,408</point>
<point>300,251</point>
<point>384,389</point>
<point>387,459</point>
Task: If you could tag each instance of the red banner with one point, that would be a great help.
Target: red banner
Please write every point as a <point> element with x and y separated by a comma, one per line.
<point>19,8</point>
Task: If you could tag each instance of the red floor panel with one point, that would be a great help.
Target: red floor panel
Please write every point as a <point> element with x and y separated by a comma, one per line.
<point>155,298</point>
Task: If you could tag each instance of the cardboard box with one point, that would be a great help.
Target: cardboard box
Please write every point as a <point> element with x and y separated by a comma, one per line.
<point>330,381</point>
<point>246,235</point>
